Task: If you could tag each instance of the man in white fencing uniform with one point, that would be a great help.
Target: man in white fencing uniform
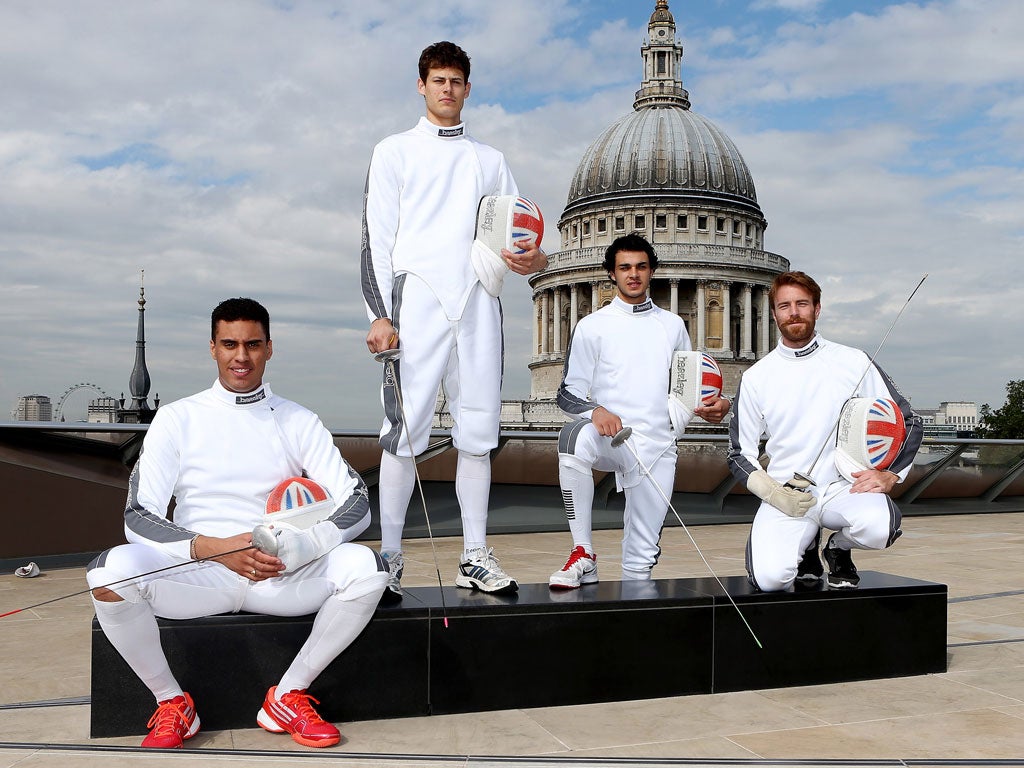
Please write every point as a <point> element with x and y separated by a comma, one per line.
<point>219,454</point>
<point>795,395</point>
<point>423,296</point>
<point>617,374</point>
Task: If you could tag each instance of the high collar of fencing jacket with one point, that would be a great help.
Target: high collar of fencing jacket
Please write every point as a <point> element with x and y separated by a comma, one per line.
<point>441,131</point>
<point>259,396</point>
<point>645,307</point>
<point>802,353</point>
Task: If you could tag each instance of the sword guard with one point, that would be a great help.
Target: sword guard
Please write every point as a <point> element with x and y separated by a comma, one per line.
<point>621,436</point>
<point>265,540</point>
<point>806,482</point>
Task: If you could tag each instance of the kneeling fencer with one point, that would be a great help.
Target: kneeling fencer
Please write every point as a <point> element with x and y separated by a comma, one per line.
<point>616,374</point>
<point>220,453</point>
<point>796,395</point>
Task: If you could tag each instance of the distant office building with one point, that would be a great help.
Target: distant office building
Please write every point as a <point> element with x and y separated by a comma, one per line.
<point>953,418</point>
<point>103,410</point>
<point>34,408</point>
<point>958,413</point>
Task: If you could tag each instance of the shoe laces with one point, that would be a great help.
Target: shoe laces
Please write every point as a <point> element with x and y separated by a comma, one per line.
<point>579,553</point>
<point>302,703</point>
<point>395,563</point>
<point>169,718</point>
<point>486,558</point>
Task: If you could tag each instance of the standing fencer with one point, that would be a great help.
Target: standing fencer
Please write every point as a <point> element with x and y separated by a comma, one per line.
<point>794,395</point>
<point>423,296</point>
<point>219,453</point>
<point>617,374</point>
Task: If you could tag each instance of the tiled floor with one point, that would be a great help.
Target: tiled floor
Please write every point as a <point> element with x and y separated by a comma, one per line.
<point>974,711</point>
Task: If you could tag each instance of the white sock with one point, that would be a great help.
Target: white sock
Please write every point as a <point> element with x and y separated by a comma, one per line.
<point>578,498</point>
<point>397,480</point>
<point>131,628</point>
<point>338,622</point>
<point>635,575</point>
<point>473,489</point>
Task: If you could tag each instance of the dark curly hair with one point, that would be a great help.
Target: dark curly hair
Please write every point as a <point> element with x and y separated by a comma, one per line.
<point>231,310</point>
<point>442,55</point>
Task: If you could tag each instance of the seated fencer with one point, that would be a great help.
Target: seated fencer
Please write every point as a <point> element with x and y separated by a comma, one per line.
<point>840,436</point>
<point>617,374</point>
<point>219,454</point>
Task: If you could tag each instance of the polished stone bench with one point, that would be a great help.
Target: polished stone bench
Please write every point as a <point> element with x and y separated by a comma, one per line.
<point>605,642</point>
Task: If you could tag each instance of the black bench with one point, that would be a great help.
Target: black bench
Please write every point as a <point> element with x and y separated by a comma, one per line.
<point>605,642</point>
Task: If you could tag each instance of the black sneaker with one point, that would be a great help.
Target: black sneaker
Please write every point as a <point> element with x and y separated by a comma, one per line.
<point>842,573</point>
<point>810,569</point>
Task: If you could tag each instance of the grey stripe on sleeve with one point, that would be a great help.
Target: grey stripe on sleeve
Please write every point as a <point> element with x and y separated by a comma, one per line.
<point>371,291</point>
<point>144,523</point>
<point>566,400</point>
<point>391,440</point>
<point>355,508</point>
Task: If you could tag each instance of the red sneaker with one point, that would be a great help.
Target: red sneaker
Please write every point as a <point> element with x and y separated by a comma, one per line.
<point>174,721</point>
<point>293,713</point>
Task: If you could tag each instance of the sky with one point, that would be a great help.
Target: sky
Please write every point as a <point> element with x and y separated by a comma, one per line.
<point>222,147</point>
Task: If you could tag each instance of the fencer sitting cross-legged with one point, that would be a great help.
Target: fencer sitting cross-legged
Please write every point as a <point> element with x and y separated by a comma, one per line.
<point>220,453</point>
<point>617,374</point>
<point>795,396</point>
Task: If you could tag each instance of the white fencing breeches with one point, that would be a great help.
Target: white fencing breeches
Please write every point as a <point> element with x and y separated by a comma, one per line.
<point>349,573</point>
<point>778,542</point>
<point>581,449</point>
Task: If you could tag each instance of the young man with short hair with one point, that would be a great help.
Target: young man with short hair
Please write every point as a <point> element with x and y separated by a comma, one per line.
<point>219,454</point>
<point>423,296</point>
<point>795,395</point>
<point>617,371</point>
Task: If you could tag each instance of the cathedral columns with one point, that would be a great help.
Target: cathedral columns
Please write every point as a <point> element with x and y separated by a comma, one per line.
<point>544,323</point>
<point>726,318</point>
<point>574,307</point>
<point>748,321</point>
<point>538,324</point>
<point>702,340</point>
<point>766,323</point>
<point>557,322</point>
<point>673,290</point>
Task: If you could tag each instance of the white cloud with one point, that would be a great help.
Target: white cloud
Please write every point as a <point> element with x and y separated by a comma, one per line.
<point>251,124</point>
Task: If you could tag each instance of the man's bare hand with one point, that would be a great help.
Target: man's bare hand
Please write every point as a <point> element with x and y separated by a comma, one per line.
<point>250,563</point>
<point>715,412</point>
<point>382,335</point>
<point>873,481</point>
<point>526,263</point>
<point>606,422</point>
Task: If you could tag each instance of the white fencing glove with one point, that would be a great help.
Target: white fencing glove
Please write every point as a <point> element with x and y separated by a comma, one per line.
<point>789,501</point>
<point>679,414</point>
<point>489,267</point>
<point>297,547</point>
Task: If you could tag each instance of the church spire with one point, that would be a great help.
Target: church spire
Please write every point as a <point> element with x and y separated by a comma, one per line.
<point>662,54</point>
<point>139,412</point>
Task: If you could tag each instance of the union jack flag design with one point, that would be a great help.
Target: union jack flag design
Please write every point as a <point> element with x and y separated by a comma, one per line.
<point>295,493</point>
<point>710,379</point>
<point>527,222</point>
<point>885,432</point>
